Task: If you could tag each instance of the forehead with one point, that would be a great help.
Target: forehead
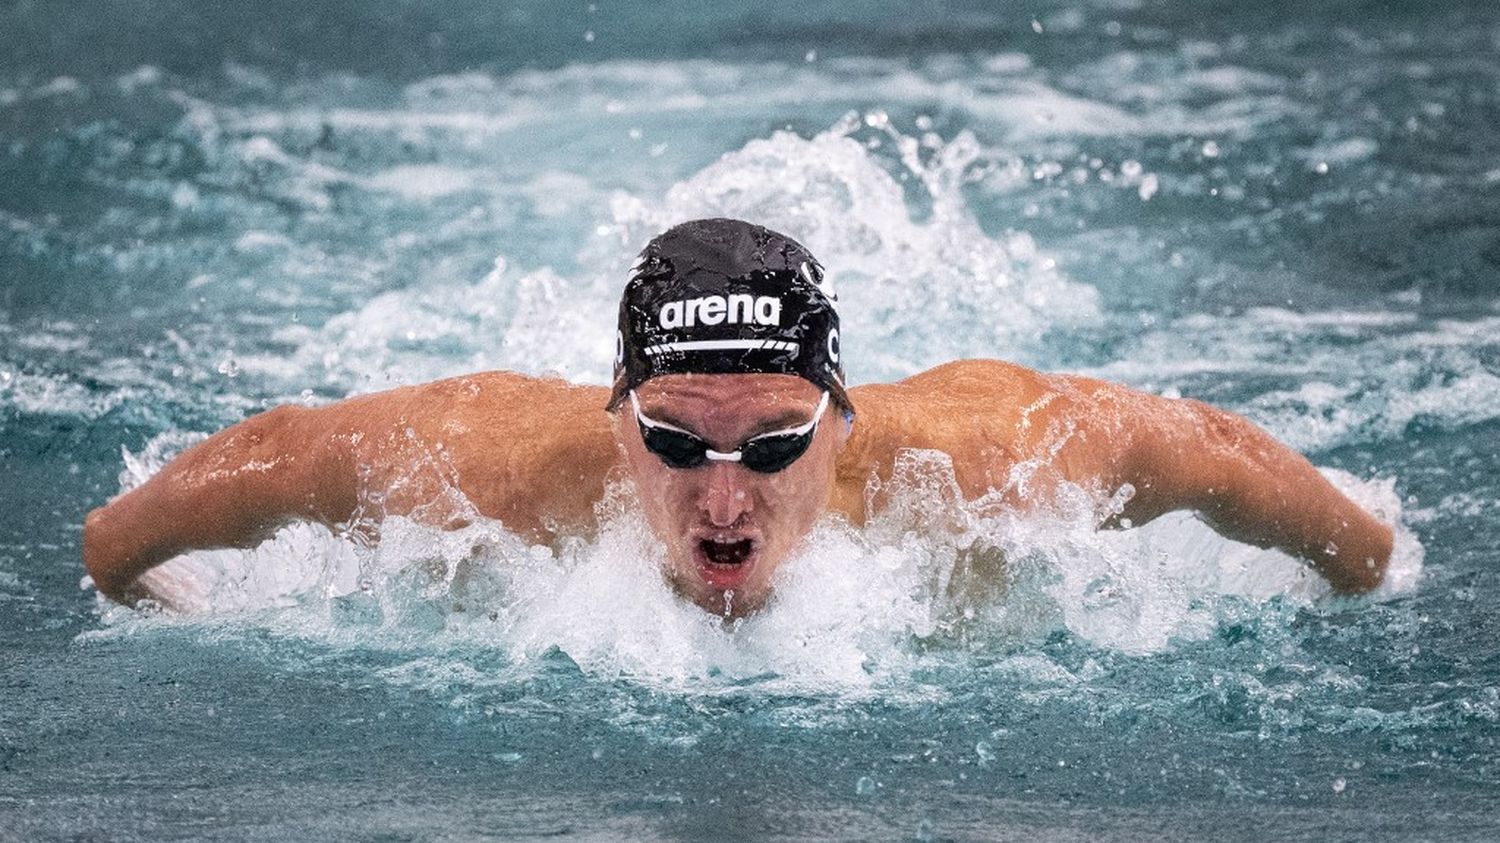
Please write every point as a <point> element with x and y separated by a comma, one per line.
<point>695,397</point>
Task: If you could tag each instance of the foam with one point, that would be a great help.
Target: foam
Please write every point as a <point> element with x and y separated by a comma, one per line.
<point>1361,376</point>
<point>829,190</point>
<point>839,201</point>
<point>55,395</point>
<point>1002,90</point>
<point>856,611</point>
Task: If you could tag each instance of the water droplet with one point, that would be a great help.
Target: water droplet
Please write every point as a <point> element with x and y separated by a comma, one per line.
<point>589,36</point>
<point>1046,170</point>
<point>1149,186</point>
<point>985,752</point>
<point>1321,168</point>
<point>1339,784</point>
<point>1210,149</point>
<point>877,119</point>
<point>865,786</point>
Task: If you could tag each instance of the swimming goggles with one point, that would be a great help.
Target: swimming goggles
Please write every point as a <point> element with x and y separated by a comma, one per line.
<point>767,453</point>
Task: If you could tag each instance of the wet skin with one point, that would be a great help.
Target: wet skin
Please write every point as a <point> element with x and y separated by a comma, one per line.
<point>539,454</point>
<point>727,529</point>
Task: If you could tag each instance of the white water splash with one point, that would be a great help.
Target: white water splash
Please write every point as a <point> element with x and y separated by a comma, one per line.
<point>899,278</point>
<point>855,611</point>
<point>830,191</point>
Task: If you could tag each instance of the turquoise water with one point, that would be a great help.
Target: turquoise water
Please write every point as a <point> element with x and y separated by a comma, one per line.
<point>207,211</point>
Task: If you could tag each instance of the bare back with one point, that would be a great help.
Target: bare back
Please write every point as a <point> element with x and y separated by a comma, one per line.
<point>533,453</point>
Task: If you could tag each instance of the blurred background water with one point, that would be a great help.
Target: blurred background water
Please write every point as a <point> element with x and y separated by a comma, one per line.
<point>1291,211</point>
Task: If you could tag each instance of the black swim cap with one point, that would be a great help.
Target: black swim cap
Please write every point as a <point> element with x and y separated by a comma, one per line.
<point>723,296</point>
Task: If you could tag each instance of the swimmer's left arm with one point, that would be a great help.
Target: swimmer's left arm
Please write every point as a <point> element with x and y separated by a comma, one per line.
<point>1184,454</point>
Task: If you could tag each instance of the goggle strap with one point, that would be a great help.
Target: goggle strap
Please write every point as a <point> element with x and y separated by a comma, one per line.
<point>653,423</point>
<point>800,429</point>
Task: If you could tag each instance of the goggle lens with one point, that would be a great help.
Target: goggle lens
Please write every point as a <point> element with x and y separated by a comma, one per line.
<point>774,453</point>
<point>677,450</point>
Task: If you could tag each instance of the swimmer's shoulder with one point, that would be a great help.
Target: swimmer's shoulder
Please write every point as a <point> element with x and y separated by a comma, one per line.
<point>987,415</point>
<point>957,384</point>
<point>505,408</point>
<point>971,410</point>
<point>479,398</point>
<point>529,451</point>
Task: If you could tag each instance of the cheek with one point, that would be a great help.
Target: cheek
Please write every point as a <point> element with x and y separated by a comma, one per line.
<point>663,492</point>
<point>798,494</point>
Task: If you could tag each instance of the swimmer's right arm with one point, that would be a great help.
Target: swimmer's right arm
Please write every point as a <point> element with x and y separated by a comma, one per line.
<point>349,464</point>
<point>234,489</point>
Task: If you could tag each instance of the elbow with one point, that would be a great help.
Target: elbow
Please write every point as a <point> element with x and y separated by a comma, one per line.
<point>1364,570</point>
<point>99,559</point>
<point>1361,580</point>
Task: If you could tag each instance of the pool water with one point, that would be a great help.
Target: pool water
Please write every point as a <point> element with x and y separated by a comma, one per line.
<point>207,211</point>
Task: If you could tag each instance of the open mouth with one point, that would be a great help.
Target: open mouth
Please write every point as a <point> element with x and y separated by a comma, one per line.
<point>726,562</point>
<point>722,552</point>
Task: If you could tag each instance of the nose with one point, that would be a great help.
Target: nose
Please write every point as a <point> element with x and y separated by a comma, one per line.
<point>726,499</point>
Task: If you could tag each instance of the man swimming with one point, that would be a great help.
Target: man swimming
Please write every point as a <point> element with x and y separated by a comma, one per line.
<point>729,416</point>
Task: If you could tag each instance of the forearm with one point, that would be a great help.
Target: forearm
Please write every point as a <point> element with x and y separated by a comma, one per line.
<point>1251,488</point>
<point>231,490</point>
<point>153,523</point>
<point>1302,514</point>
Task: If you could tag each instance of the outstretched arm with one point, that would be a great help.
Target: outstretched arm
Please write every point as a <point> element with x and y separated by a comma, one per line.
<point>495,444</point>
<point>1183,454</point>
<point>232,490</point>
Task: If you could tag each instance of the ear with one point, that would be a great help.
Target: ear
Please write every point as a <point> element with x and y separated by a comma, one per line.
<point>614,425</point>
<point>842,431</point>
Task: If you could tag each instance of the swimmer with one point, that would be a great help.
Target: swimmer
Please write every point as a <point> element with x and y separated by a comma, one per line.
<point>730,417</point>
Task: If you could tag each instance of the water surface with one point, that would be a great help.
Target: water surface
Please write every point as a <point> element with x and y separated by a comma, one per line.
<point>208,211</point>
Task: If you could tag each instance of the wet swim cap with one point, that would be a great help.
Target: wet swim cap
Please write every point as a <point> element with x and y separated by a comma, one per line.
<point>723,296</point>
